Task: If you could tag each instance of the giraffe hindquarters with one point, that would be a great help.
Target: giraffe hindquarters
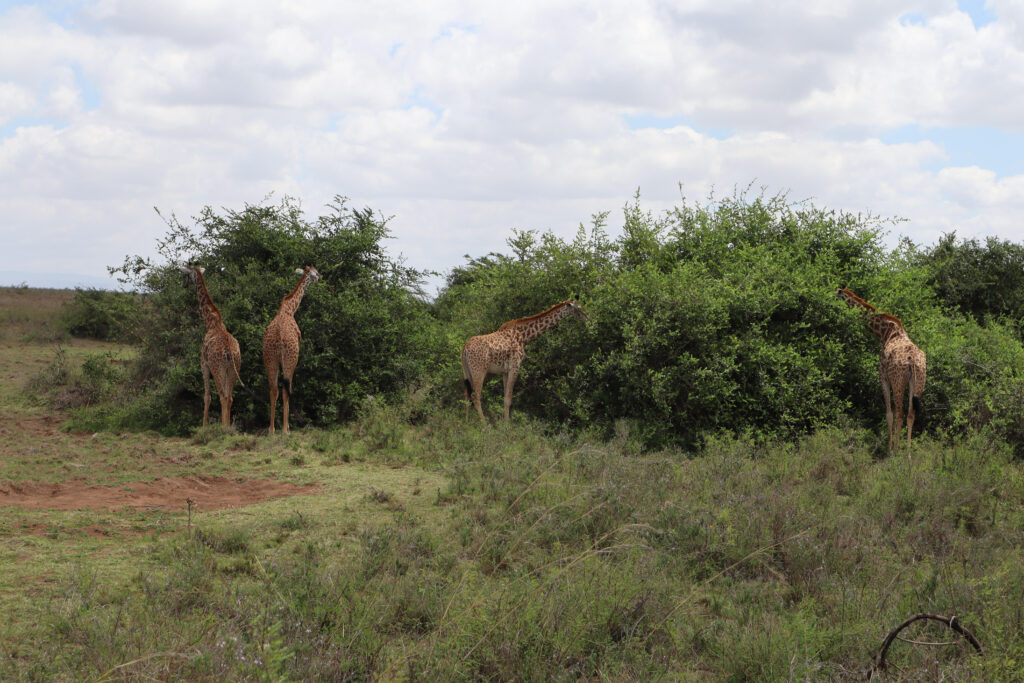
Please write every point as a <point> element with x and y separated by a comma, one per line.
<point>289,361</point>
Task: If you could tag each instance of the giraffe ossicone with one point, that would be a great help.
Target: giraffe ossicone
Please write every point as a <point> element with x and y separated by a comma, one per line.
<point>503,351</point>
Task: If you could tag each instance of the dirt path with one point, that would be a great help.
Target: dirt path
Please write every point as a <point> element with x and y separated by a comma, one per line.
<point>170,493</point>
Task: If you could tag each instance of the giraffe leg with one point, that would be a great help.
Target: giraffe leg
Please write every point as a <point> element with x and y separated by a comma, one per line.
<point>225,410</point>
<point>285,396</point>
<point>478,385</point>
<point>206,394</point>
<point>899,391</point>
<point>915,387</point>
<point>272,384</point>
<point>510,381</point>
<point>887,397</point>
<point>289,360</point>
<point>225,381</point>
<point>898,428</point>
<point>910,418</point>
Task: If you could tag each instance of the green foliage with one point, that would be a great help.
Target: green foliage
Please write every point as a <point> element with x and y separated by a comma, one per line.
<point>574,559</point>
<point>104,315</point>
<point>62,385</point>
<point>365,326</point>
<point>707,318</point>
<point>978,279</point>
<point>720,317</point>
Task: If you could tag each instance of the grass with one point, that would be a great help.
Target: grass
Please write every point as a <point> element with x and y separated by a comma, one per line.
<point>453,551</point>
<point>31,315</point>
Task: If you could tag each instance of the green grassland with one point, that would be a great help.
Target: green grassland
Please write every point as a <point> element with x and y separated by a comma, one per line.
<point>437,547</point>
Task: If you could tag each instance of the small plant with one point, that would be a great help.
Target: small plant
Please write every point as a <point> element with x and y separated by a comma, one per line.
<point>379,495</point>
<point>204,436</point>
<point>296,522</point>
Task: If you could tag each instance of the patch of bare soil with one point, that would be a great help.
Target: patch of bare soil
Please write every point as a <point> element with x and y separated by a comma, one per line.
<point>169,493</point>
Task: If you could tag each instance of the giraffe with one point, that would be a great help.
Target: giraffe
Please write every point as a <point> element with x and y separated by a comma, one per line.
<point>281,344</point>
<point>503,351</point>
<point>220,355</point>
<point>900,366</point>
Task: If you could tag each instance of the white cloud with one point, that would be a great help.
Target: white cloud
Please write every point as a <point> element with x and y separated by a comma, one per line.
<point>14,101</point>
<point>465,120</point>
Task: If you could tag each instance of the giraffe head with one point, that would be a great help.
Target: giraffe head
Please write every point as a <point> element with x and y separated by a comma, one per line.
<point>852,299</point>
<point>310,272</point>
<point>573,308</point>
<point>192,274</point>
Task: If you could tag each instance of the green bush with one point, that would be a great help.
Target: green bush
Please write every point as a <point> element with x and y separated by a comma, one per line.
<point>104,315</point>
<point>980,280</point>
<point>707,319</point>
<point>720,317</point>
<point>365,326</point>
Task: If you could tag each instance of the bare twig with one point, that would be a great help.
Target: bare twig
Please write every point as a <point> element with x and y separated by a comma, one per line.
<point>953,622</point>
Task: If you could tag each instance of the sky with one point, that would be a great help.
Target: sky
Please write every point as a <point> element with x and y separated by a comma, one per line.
<point>465,119</point>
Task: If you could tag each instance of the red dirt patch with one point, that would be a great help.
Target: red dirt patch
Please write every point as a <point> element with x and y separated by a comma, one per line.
<point>207,493</point>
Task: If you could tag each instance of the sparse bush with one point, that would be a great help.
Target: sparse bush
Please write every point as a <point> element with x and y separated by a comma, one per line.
<point>62,386</point>
<point>102,314</point>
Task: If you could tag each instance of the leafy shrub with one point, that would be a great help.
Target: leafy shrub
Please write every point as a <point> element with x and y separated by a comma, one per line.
<point>979,280</point>
<point>101,314</point>
<point>365,326</point>
<point>61,385</point>
<point>720,317</point>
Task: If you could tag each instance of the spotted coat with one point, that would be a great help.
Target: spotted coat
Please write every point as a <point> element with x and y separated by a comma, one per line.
<point>901,366</point>
<point>281,345</point>
<point>503,351</point>
<point>220,355</point>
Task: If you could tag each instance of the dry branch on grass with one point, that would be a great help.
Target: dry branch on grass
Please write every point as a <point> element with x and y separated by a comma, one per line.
<point>953,623</point>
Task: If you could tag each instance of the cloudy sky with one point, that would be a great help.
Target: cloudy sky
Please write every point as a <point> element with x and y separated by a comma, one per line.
<point>464,119</point>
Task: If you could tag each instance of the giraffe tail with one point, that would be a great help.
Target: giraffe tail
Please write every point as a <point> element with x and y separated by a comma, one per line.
<point>236,363</point>
<point>465,378</point>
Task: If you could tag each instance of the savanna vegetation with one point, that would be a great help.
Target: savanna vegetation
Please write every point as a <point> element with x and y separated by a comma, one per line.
<point>694,484</point>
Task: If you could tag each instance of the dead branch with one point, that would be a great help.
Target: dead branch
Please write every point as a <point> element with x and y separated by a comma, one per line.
<point>953,623</point>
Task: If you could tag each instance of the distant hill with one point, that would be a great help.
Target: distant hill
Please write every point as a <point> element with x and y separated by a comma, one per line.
<point>15,278</point>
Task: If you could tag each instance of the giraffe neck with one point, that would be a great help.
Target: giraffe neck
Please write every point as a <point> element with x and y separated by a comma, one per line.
<point>531,328</point>
<point>211,316</point>
<point>853,300</point>
<point>290,303</point>
<point>885,328</point>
